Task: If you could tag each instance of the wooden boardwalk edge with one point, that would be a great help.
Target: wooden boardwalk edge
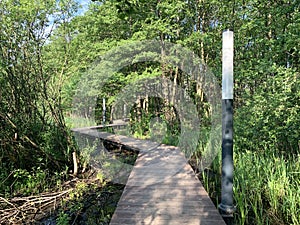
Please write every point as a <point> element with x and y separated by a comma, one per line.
<point>162,188</point>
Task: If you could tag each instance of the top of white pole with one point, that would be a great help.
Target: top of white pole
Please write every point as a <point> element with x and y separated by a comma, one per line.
<point>227,65</point>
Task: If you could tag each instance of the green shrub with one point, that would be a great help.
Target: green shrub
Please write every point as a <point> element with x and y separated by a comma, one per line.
<point>270,118</point>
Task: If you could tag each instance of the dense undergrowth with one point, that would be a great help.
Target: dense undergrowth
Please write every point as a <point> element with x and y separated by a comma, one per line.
<point>266,187</point>
<point>88,198</point>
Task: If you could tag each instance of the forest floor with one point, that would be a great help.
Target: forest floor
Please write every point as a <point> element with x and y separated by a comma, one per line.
<point>86,199</point>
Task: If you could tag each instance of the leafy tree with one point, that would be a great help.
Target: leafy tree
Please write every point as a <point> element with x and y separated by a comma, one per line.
<point>33,132</point>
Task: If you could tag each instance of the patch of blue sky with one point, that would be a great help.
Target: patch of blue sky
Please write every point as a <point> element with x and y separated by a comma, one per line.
<point>83,6</point>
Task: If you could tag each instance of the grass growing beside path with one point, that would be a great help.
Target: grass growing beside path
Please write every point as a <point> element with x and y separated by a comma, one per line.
<point>266,188</point>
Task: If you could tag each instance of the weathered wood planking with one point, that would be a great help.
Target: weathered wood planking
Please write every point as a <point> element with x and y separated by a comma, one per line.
<point>162,188</point>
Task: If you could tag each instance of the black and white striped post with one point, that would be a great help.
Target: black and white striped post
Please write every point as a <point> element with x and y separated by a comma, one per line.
<point>226,207</point>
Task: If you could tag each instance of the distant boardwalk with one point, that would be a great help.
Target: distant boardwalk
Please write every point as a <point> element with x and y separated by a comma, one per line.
<point>162,188</point>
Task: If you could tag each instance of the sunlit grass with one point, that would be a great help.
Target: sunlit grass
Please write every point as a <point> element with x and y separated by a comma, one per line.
<point>266,188</point>
<point>77,122</point>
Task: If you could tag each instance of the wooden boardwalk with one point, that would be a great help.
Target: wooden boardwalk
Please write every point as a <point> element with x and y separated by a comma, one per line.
<point>162,188</point>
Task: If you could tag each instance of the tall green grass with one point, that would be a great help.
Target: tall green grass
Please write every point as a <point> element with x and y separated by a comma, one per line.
<point>266,188</point>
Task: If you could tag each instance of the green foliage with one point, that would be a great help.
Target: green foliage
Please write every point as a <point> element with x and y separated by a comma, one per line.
<point>27,183</point>
<point>24,182</point>
<point>269,119</point>
<point>63,219</point>
<point>33,135</point>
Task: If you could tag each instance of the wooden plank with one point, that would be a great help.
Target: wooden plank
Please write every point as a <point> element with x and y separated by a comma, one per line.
<point>180,221</point>
<point>162,188</point>
<point>135,144</point>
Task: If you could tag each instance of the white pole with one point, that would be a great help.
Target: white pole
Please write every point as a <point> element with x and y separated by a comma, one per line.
<point>227,65</point>
<point>103,111</point>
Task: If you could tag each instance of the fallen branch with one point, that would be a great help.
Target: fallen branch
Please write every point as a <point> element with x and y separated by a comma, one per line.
<point>16,209</point>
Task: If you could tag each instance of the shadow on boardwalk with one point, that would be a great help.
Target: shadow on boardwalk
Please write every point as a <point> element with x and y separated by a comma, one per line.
<point>162,188</point>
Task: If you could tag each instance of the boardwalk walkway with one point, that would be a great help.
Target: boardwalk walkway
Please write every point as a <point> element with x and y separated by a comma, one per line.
<point>162,188</point>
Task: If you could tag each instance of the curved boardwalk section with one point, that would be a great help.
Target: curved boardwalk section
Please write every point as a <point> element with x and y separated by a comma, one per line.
<point>162,188</point>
